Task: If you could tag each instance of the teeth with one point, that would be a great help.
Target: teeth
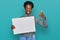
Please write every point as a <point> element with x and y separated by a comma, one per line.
<point>28,12</point>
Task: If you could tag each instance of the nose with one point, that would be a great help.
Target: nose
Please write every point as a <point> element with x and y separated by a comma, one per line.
<point>28,9</point>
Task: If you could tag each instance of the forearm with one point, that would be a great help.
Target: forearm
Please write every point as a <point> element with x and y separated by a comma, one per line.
<point>44,23</point>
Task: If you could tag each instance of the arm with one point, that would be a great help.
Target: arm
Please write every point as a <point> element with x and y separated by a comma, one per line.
<point>44,23</point>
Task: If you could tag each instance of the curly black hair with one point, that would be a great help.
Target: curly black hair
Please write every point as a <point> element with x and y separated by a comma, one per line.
<point>28,3</point>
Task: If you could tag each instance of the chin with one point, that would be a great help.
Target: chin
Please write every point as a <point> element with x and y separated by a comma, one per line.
<point>28,14</point>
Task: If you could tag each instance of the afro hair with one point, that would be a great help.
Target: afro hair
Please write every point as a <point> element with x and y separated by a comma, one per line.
<point>28,3</point>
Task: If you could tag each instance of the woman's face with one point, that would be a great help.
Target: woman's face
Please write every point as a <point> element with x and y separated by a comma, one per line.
<point>28,9</point>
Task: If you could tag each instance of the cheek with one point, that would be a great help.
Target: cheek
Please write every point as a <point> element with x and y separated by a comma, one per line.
<point>30,9</point>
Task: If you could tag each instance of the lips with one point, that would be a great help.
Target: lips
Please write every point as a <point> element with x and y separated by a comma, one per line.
<point>28,12</point>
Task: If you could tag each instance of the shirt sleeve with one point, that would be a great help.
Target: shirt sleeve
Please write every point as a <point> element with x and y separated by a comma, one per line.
<point>42,23</point>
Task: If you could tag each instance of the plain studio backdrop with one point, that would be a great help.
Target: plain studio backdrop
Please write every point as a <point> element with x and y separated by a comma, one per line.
<point>14,9</point>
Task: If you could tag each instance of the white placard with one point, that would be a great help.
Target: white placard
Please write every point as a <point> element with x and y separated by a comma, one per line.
<point>23,25</point>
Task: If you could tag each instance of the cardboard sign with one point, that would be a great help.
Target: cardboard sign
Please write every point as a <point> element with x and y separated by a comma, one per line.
<point>23,25</point>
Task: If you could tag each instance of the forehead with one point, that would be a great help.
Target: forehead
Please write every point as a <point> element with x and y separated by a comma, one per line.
<point>28,6</point>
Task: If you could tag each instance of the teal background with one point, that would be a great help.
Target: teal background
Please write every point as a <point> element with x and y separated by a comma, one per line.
<point>14,8</point>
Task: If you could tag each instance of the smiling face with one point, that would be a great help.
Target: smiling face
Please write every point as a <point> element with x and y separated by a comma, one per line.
<point>28,9</point>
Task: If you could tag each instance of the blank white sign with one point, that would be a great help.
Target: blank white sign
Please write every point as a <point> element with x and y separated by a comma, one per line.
<point>23,25</point>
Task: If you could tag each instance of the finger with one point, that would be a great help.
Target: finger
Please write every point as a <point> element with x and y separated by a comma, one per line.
<point>13,27</point>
